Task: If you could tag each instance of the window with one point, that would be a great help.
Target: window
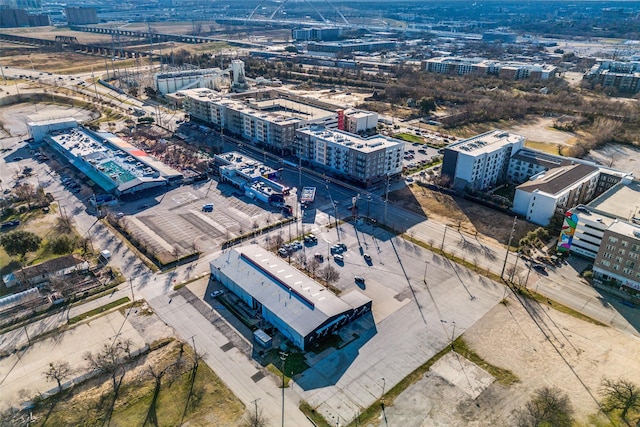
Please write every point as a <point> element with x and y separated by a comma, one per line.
<point>621,251</point>
<point>610,247</point>
<point>616,267</point>
<point>618,259</point>
<point>607,255</point>
<point>613,239</point>
<point>605,263</point>
<point>624,243</point>
<point>627,270</point>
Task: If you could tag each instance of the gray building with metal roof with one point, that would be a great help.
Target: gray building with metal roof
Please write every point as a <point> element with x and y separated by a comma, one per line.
<point>302,309</point>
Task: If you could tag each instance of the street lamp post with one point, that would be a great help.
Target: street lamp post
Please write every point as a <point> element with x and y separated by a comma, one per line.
<point>443,236</point>
<point>283,357</point>
<point>426,264</point>
<point>506,256</point>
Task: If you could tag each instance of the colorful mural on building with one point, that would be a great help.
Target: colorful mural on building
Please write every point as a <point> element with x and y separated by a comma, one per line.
<point>568,230</point>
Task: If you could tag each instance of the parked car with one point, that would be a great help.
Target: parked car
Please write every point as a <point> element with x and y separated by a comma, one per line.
<point>367,258</point>
<point>9,224</point>
<point>359,279</point>
<point>207,208</point>
<point>283,252</point>
<point>539,267</point>
<point>339,259</point>
<point>217,293</point>
<point>319,257</point>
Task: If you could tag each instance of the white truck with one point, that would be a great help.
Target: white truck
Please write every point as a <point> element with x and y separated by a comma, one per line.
<point>105,256</point>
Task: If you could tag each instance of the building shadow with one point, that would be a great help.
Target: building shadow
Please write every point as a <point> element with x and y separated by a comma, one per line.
<point>329,365</point>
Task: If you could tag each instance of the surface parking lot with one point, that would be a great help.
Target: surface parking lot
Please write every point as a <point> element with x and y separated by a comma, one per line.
<point>428,298</point>
<point>176,219</point>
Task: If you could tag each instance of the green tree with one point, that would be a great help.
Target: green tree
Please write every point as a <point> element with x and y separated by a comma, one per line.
<point>150,92</point>
<point>20,242</point>
<point>64,244</point>
<point>427,105</point>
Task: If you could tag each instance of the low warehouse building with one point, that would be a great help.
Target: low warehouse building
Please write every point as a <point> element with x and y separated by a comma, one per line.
<point>302,309</point>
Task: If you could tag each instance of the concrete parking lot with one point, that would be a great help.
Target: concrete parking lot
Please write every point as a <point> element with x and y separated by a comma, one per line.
<point>176,219</point>
<point>414,291</point>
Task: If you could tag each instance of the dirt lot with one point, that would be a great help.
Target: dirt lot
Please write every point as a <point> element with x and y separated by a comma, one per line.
<point>618,156</point>
<point>473,218</point>
<point>542,347</point>
<point>541,130</point>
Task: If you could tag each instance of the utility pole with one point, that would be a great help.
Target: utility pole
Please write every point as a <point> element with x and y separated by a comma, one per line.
<point>255,403</point>
<point>425,271</point>
<point>443,236</point>
<point>283,357</point>
<point>506,256</point>
<point>386,200</point>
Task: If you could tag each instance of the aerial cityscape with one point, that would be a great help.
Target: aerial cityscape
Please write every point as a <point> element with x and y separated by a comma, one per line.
<point>319,213</point>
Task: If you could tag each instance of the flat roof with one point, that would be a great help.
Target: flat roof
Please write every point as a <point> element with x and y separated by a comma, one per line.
<point>244,164</point>
<point>486,142</point>
<point>540,158</point>
<point>557,180</point>
<point>619,201</point>
<point>625,228</point>
<point>352,141</point>
<point>299,301</point>
<point>110,166</point>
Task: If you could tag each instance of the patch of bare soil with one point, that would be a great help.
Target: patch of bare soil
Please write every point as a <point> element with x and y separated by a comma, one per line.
<point>542,347</point>
<point>541,130</point>
<point>473,218</point>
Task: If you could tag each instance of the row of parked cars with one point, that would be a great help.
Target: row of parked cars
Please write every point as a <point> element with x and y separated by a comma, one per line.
<point>71,185</point>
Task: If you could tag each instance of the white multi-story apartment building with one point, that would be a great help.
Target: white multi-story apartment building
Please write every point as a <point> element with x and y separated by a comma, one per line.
<point>367,161</point>
<point>478,163</point>
<point>358,121</point>
<point>512,70</point>
<point>266,118</point>
<point>555,190</point>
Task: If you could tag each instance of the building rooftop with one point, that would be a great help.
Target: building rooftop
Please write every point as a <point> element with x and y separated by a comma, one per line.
<point>354,142</point>
<point>625,228</point>
<point>201,72</point>
<point>620,201</point>
<point>299,301</point>
<point>546,160</point>
<point>247,166</point>
<point>110,161</point>
<point>556,180</point>
<point>486,142</point>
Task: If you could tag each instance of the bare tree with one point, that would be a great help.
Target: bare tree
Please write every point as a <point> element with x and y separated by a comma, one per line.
<point>254,418</point>
<point>329,274</point>
<point>58,372</point>
<point>25,192</point>
<point>620,395</point>
<point>548,407</point>
<point>111,360</point>
<point>278,240</point>
<point>312,266</point>
<point>64,224</point>
<point>301,259</point>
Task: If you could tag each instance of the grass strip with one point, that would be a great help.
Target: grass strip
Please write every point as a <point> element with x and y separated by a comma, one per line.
<point>528,293</point>
<point>372,413</point>
<point>525,292</point>
<point>98,310</point>
<point>503,376</point>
